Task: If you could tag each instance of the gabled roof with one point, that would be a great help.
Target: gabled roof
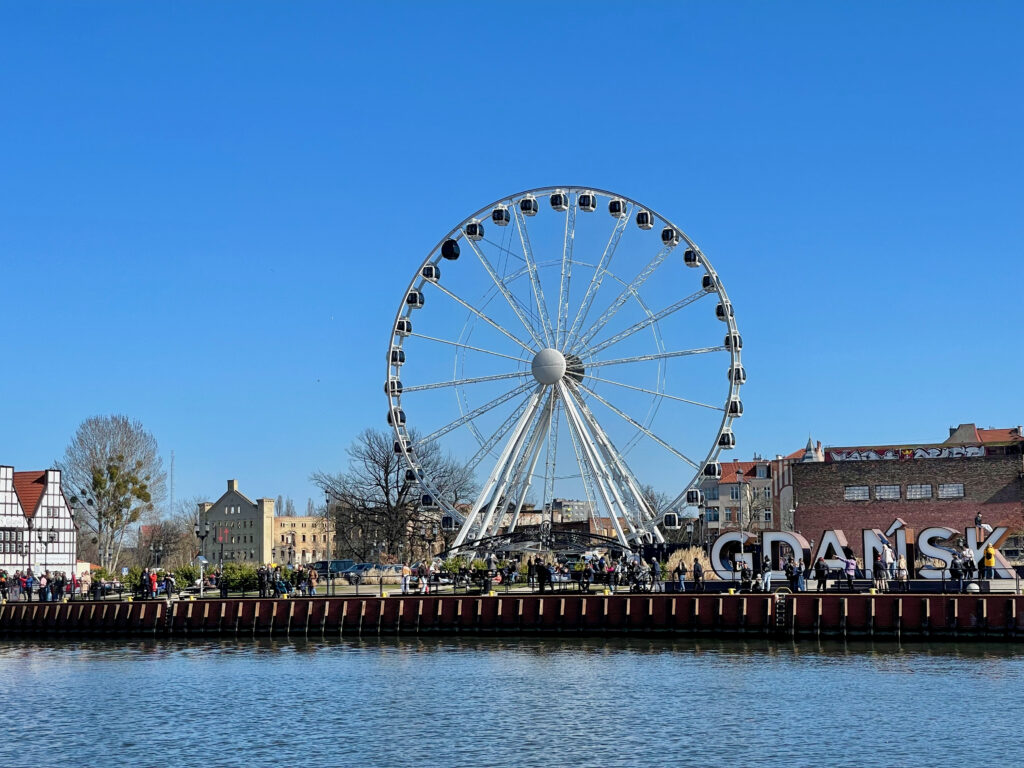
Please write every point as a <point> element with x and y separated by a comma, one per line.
<point>30,487</point>
<point>967,434</point>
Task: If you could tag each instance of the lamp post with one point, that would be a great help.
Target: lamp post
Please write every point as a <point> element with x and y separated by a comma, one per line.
<point>156,551</point>
<point>201,534</point>
<point>46,538</point>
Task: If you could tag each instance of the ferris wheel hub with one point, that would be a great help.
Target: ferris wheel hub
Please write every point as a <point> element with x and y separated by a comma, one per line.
<point>548,366</point>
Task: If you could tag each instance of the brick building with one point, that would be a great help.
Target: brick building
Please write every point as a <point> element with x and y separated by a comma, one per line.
<point>941,484</point>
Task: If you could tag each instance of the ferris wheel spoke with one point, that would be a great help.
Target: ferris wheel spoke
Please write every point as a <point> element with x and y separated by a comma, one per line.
<point>598,277</point>
<point>486,319</point>
<point>629,290</point>
<point>645,323</point>
<point>504,291</point>
<point>654,356</point>
<point>638,425</point>
<point>531,266</point>
<point>657,394</point>
<point>476,412</point>
<point>460,382</point>
<point>487,445</point>
<point>465,346</point>
<point>563,284</point>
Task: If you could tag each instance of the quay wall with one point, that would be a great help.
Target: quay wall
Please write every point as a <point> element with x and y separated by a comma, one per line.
<point>992,617</point>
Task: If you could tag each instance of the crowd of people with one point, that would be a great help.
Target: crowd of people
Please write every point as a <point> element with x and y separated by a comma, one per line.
<point>46,586</point>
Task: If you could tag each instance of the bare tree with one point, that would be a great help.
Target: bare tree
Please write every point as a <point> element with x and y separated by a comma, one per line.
<point>112,471</point>
<point>377,511</point>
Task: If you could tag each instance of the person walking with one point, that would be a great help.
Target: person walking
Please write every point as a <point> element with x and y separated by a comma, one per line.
<point>698,576</point>
<point>656,585</point>
<point>680,574</point>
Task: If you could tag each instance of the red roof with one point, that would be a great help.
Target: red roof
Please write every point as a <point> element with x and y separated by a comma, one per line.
<point>729,469</point>
<point>29,486</point>
<point>797,454</point>
<point>999,435</point>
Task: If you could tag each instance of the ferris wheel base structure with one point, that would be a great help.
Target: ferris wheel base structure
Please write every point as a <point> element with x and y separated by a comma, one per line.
<point>563,355</point>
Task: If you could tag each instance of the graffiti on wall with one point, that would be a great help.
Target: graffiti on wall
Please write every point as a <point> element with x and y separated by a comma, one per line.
<point>906,454</point>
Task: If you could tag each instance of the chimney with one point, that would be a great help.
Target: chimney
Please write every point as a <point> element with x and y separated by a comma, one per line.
<point>232,485</point>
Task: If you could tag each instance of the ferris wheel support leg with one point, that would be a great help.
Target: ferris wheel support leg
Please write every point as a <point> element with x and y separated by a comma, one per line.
<point>613,457</point>
<point>517,433</point>
<point>501,489</point>
<point>533,454</point>
<point>598,469</point>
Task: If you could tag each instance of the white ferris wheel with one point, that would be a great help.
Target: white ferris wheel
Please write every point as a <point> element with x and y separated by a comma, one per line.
<point>572,348</point>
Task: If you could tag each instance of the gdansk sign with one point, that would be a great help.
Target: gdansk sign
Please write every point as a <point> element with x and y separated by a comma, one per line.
<point>929,543</point>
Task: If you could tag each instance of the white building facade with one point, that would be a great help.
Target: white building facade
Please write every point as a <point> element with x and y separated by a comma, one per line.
<point>37,527</point>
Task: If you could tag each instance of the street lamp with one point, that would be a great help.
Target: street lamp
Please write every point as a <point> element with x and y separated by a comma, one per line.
<point>46,538</point>
<point>156,551</point>
<point>201,534</point>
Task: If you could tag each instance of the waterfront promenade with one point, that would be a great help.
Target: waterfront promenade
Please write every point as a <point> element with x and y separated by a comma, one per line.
<point>900,616</point>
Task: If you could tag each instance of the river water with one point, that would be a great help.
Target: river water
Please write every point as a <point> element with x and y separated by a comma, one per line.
<point>531,702</point>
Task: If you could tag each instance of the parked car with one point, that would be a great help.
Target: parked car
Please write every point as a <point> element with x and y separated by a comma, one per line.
<point>337,568</point>
<point>357,572</point>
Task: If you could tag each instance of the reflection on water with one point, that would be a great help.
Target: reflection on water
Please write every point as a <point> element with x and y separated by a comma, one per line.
<point>535,701</point>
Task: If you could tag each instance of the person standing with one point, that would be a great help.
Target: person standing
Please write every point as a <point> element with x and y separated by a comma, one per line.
<point>261,580</point>
<point>850,568</point>
<point>889,560</point>
<point>766,574</point>
<point>406,573</point>
<point>956,573</point>
<point>990,561</point>
<point>821,574</point>
<point>698,576</point>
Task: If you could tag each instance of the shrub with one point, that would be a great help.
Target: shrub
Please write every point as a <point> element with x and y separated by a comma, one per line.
<point>240,577</point>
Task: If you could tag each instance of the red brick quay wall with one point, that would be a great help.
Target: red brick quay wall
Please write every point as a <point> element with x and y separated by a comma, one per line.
<point>794,616</point>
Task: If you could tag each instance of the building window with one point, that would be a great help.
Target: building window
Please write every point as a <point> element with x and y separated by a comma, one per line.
<point>951,490</point>
<point>711,514</point>
<point>856,493</point>
<point>734,492</point>
<point>762,472</point>
<point>919,491</point>
<point>767,516</point>
<point>728,515</point>
<point>887,492</point>
<point>712,493</point>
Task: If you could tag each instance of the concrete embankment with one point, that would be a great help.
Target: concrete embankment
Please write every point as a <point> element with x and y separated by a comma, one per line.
<point>990,617</point>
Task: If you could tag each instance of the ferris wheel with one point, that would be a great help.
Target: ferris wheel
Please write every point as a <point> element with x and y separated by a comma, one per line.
<point>571,349</point>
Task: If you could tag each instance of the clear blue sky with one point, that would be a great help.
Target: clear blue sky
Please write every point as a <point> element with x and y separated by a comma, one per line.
<point>209,211</point>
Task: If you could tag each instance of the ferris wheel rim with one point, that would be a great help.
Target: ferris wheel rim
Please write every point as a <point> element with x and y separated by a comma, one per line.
<point>458,233</point>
